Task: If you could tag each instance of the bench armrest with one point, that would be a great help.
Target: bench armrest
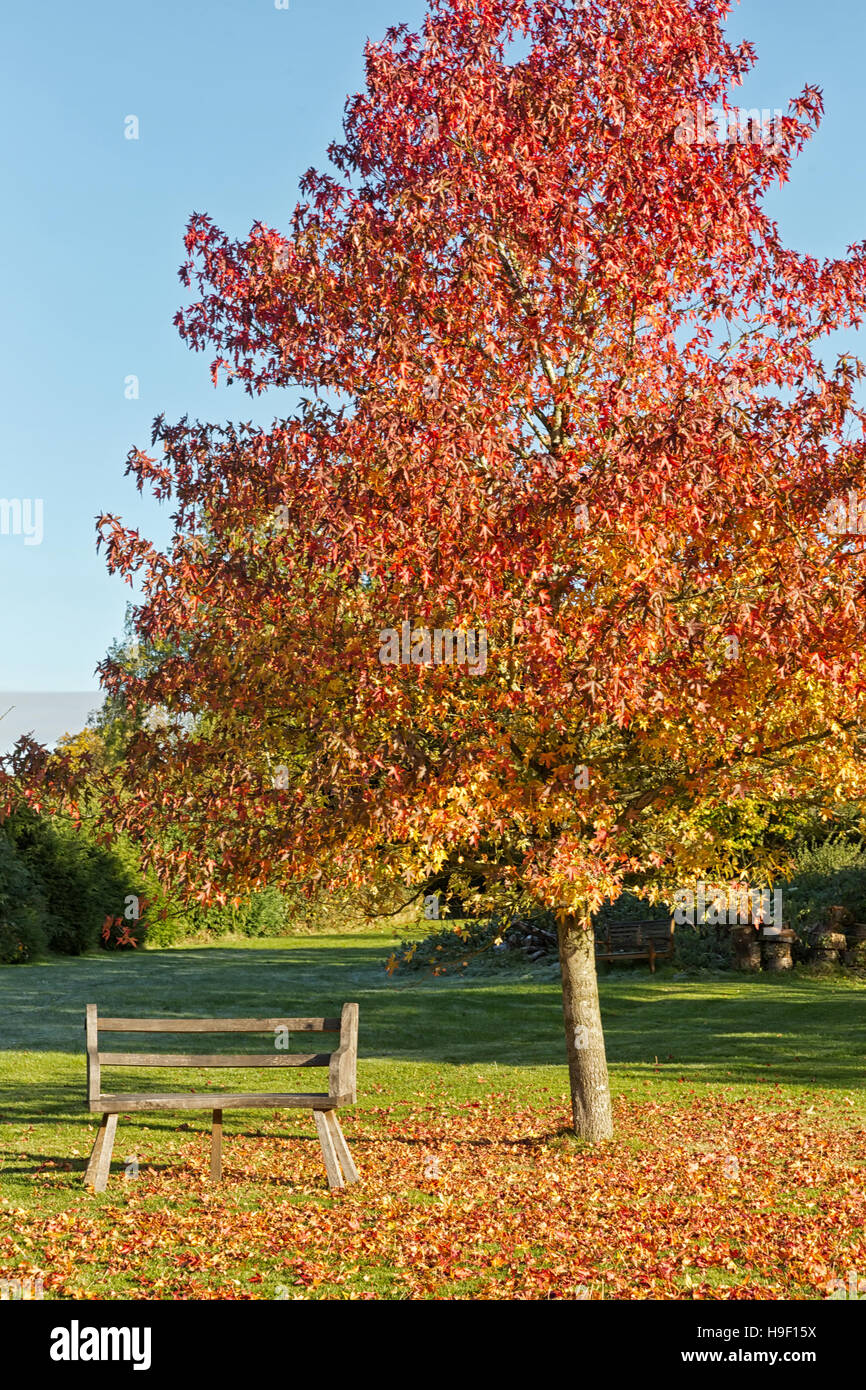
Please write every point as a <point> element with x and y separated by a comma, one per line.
<point>343,1065</point>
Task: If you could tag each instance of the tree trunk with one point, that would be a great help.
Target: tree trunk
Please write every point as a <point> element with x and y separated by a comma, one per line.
<point>587,1063</point>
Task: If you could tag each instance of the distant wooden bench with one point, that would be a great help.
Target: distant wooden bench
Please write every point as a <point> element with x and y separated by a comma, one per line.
<point>650,940</point>
<point>341,1066</point>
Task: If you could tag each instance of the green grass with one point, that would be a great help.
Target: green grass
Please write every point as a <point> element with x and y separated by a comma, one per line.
<point>786,1036</point>
<point>798,1030</point>
<point>780,1041</point>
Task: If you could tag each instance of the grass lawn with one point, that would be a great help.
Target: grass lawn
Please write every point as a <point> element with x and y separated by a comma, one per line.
<point>737,1171</point>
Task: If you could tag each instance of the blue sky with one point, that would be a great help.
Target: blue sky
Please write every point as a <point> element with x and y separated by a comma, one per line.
<point>235,99</point>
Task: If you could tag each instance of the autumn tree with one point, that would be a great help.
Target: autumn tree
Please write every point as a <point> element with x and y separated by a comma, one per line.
<point>562,387</point>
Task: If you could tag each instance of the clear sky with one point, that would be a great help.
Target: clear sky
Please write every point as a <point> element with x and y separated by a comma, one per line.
<point>234,100</point>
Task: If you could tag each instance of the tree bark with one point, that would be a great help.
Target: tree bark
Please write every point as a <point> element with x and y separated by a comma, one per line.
<point>587,1062</point>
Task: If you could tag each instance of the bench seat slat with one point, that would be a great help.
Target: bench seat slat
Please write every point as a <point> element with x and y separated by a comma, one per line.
<point>215,1059</point>
<point>625,955</point>
<point>214,1100</point>
<point>218,1025</point>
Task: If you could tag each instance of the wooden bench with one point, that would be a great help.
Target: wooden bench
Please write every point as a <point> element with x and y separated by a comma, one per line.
<point>341,1066</point>
<point>649,939</point>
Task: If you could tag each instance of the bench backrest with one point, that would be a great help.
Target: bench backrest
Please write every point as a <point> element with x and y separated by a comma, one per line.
<point>341,1063</point>
<point>636,935</point>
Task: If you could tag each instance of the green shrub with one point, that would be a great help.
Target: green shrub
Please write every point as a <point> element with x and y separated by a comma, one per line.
<point>454,944</point>
<point>21,938</point>
<point>21,909</point>
<point>165,930</point>
<point>700,948</point>
<point>628,907</point>
<point>172,920</point>
<point>82,884</point>
<point>267,914</point>
<point>825,875</point>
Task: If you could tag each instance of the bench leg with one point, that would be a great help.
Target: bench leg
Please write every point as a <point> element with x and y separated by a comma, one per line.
<point>216,1147</point>
<point>96,1172</point>
<point>344,1157</point>
<point>329,1152</point>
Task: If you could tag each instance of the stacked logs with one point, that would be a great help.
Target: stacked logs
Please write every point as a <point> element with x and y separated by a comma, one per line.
<point>757,948</point>
<point>535,941</point>
<point>747,947</point>
<point>762,948</point>
<point>855,953</point>
<point>830,941</point>
<point>827,946</point>
<point>841,940</point>
<point>777,949</point>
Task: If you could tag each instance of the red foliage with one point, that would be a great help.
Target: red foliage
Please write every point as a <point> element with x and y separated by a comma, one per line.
<point>721,1199</point>
<point>563,385</point>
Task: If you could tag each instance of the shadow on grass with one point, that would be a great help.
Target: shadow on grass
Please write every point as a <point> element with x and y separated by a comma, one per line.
<point>69,1172</point>
<point>789,1030</point>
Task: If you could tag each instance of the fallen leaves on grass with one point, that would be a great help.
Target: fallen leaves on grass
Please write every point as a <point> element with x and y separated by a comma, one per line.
<point>717,1199</point>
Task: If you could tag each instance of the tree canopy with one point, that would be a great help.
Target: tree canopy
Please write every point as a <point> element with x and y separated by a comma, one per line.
<point>563,387</point>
